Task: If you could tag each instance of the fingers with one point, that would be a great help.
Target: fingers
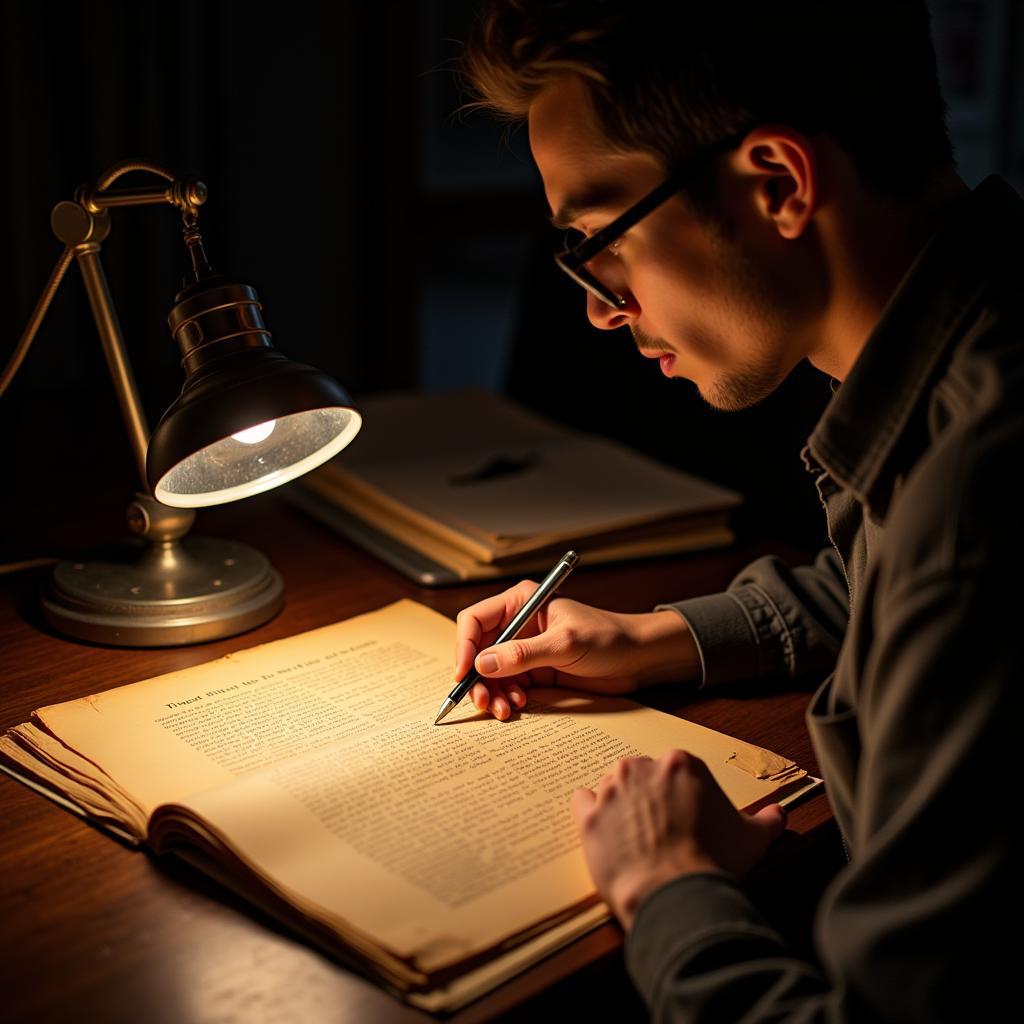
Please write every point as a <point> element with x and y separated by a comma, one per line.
<point>620,776</point>
<point>483,694</point>
<point>516,694</point>
<point>582,803</point>
<point>495,701</point>
<point>675,760</point>
<point>478,625</point>
<point>772,819</point>
<point>499,699</point>
<point>465,652</point>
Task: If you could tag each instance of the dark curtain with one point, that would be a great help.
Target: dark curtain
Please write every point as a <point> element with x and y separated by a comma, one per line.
<point>297,118</point>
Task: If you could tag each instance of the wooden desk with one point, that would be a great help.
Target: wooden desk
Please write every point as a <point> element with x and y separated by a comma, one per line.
<point>90,930</point>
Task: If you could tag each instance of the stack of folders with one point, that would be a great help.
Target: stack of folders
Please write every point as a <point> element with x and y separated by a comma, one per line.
<point>455,487</point>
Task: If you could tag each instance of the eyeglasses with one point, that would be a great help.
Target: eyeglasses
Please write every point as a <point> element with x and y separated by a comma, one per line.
<point>572,258</point>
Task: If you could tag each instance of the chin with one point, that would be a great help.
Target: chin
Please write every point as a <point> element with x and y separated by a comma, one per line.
<point>737,392</point>
<point>722,403</point>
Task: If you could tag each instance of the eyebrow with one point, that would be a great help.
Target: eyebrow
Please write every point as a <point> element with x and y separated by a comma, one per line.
<point>594,197</point>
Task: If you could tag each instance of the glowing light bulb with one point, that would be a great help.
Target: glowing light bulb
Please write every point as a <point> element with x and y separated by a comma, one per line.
<point>253,435</point>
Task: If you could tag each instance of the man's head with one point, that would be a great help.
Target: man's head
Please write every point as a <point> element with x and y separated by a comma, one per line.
<point>730,277</point>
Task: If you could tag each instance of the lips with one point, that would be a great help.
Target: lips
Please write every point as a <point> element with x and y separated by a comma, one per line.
<point>666,359</point>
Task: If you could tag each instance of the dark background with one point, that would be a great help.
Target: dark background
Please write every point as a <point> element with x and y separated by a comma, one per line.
<point>393,242</point>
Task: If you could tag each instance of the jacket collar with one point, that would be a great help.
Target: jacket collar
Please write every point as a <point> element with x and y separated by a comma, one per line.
<point>862,438</point>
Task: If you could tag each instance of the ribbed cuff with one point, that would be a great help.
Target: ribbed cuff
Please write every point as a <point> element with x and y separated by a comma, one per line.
<point>725,638</point>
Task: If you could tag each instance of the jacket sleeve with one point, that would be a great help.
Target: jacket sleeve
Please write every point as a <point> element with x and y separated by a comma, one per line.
<point>699,952</point>
<point>917,926</point>
<point>771,620</point>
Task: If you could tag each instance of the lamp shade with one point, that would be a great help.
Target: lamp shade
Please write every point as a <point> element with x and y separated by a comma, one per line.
<point>247,419</point>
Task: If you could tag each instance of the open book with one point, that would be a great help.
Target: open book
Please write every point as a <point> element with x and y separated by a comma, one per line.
<point>479,487</point>
<point>307,775</point>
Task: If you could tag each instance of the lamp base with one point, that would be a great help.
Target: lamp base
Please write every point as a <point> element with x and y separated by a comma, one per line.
<point>163,593</point>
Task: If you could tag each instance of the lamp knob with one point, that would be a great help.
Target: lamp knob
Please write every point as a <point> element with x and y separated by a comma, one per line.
<point>73,224</point>
<point>150,518</point>
<point>187,192</point>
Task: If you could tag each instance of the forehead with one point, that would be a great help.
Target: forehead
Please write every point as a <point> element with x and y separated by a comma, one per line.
<point>575,160</point>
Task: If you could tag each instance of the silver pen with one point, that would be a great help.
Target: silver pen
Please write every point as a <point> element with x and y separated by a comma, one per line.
<point>548,586</point>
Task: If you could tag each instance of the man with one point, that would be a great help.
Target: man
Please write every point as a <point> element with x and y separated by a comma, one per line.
<point>810,210</point>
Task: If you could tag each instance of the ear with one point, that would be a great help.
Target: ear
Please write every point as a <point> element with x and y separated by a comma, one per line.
<point>781,165</point>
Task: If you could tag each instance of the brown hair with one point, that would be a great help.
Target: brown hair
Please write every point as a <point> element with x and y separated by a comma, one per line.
<point>671,78</point>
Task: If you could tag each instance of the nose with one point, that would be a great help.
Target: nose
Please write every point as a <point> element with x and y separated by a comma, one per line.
<point>608,317</point>
<point>604,316</point>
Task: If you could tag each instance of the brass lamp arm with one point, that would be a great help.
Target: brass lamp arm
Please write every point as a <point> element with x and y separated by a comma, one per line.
<point>82,225</point>
<point>185,193</point>
<point>122,167</point>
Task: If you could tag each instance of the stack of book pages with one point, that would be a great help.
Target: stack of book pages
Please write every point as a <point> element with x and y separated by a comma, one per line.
<point>307,775</point>
<point>471,486</point>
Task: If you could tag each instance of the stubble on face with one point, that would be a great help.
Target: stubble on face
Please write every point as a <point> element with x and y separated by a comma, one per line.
<point>732,390</point>
<point>739,385</point>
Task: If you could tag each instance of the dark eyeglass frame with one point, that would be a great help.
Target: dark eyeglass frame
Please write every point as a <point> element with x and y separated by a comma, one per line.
<point>572,260</point>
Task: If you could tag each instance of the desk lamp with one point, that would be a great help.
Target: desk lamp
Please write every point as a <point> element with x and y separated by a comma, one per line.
<point>247,420</point>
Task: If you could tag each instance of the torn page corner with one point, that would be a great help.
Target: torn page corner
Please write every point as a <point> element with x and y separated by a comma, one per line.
<point>761,763</point>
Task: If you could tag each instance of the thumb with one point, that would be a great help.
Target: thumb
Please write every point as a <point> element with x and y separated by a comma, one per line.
<point>771,820</point>
<point>513,657</point>
<point>581,803</point>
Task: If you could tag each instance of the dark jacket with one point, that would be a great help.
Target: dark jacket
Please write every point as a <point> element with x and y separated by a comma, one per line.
<point>917,461</point>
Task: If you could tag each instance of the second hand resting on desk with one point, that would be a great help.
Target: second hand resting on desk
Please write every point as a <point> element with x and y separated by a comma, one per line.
<point>548,586</point>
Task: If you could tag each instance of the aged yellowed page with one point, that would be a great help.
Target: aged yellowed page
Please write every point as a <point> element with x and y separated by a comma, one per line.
<point>184,732</point>
<point>40,761</point>
<point>314,760</point>
<point>459,835</point>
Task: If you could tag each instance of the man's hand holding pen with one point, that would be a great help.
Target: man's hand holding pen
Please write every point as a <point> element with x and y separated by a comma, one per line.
<point>567,644</point>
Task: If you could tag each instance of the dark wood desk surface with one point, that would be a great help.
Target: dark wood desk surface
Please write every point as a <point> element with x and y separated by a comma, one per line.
<point>90,930</point>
